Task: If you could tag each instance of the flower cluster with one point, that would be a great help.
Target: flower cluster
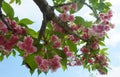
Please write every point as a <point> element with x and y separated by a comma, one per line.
<point>7,45</point>
<point>3,27</point>
<point>56,41</point>
<point>100,29</point>
<point>9,34</point>
<point>16,29</point>
<point>67,51</point>
<point>45,64</point>
<point>27,46</point>
<point>65,16</point>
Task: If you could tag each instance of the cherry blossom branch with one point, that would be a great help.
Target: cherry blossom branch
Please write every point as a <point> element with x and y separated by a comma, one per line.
<point>68,30</point>
<point>50,15</point>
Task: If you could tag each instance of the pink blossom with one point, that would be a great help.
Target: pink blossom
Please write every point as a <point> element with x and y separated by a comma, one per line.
<point>8,46</point>
<point>44,66</point>
<point>107,28</point>
<point>3,27</point>
<point>55,63</point>
<point>27,46</point>
<point>85,50</point>
<point>14,39</point>
<point>69,54</point>
<point>54,38</point>
<point>65,8</point>
<point>72,38</point>
<point>38,60</point>
<point>64,17</point>
<point>18,30</point>
<point>28,40</point>
<point>95,46</point>
<point>57,44</point>
<point>56,27</point>
<point>98,28</point>
<point>71,18</point>
<point>2,40</point>
<point>74,27</point>
<point>74,6</point>
<point>66,49</point>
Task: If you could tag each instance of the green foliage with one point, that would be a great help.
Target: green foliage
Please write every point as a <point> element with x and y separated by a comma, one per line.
<point>26,21</point>
<point>17,1</point>
<point>30,63</point>
<point>32,33</point>
<point>8,9</point>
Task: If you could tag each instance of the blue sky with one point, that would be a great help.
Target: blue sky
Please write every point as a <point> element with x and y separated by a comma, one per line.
<point>11,67</point>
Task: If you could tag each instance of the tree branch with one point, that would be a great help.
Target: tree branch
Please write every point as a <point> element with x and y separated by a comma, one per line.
<point>1,16</point>
<point>94,11</point>
<point>43,27</point>
<point>50,16</point>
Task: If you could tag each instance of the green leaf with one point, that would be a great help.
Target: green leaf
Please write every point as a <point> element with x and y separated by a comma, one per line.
<point>94,2</point>
<point>108,4</point>
<point>18,1</point>
<point>32,33</point>
<point>104,70</point>
<point>102,43</point>
<point>102,7</point>
<point>26,21</point>
<point>1,58</point>
<point>88,24</point>
<point>58,1</point>
<point>8,9</point>
<point>79,20</point>
<point>11,1</point>
<point>30,63</point>
<point>72,46</point>
<point>14,52</point>
<point>102,51</point>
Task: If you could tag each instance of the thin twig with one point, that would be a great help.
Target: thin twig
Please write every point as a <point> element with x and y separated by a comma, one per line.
<point>94,11</point>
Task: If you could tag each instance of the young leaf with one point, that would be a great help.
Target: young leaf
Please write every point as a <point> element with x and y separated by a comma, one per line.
<point>32,33</point>
<point>26,21</point>
<point>11,1</point>
<point>30,63</point>
<point>8,9</point>
<point>79,20</point>
<point>102,43</point>
<point>72,46</point>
